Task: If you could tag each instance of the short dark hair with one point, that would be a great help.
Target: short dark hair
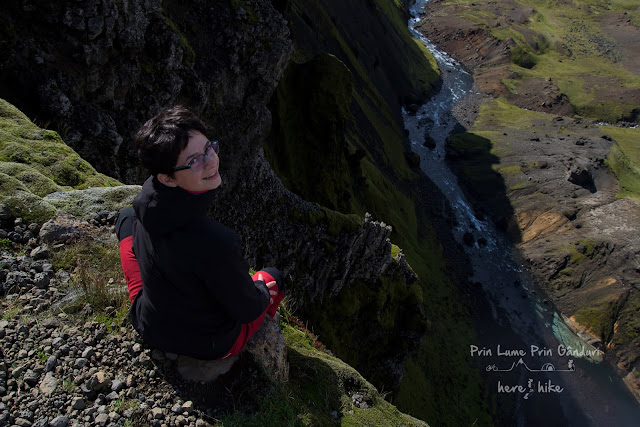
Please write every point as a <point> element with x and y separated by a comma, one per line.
<point>161,139</point>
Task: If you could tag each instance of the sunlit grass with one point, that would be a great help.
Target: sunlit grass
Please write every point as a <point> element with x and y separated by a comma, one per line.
<point>624,158</point>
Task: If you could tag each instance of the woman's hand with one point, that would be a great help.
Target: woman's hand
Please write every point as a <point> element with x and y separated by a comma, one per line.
<point>272,286</point>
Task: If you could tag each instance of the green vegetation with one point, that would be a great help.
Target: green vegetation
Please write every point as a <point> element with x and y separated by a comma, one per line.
<point>318,385</point>
<point>570,43</point>
<point>628,326</point>
<point>96,265</point>
<point>42,356</point>
<point>12,310</point>
<point>395,250</point>
<point>69,386</point>
<point>600,317</point>
<point>189,54</point>
<point>336,141</point>
<point>373,317</point>
<point>624,158</point>
<point>6,244</point>
<point>35,162</point>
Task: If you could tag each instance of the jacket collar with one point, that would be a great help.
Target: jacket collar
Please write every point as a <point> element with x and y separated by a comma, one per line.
<point>162,209</point>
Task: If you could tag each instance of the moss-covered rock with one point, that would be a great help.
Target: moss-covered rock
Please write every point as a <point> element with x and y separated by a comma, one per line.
<point>322,384</point>
<point>624,158</point>
<point>35,162</point>
<point>84,203</point>
<point>22,203</point>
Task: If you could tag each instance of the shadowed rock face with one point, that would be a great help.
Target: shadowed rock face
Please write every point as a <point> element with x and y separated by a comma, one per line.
<point>96,70</point>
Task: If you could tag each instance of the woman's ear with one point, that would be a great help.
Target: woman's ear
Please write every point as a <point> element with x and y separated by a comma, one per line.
<point>167,180</point>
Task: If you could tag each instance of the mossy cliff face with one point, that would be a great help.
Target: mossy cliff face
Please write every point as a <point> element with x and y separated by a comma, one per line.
<point>339,99</point>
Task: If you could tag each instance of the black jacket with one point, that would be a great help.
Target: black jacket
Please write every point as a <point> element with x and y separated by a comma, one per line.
<point>196,286</point>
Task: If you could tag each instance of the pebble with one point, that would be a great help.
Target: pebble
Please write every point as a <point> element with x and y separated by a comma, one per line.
<point>102,419</point>
<point>21,422</point>
<point>99,381</point>
<point>78,403</point>
<point>112,396</point>
<point>117,385</point>
<point>157,413</point>
<point>60,421</point>
<point>30,377</point>
<point>48,384</point>
<point>80,363</point>
<point>52,361</point>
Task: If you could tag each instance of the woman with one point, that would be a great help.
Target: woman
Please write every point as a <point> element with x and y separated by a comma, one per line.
<point>188,281</point>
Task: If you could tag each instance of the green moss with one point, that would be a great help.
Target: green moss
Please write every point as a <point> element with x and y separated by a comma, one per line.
<point>624,159</point>
<point>189,57</point>
<point>523,56</point>
<point>511,85</point>
<point>520,185</point>
<point>35,162</point>
<point>348,322</point>
<point>336,222</point>
<point>34,181</point>
<point>29,207</point>
<point>395,250</point>
<point>628,328</point>
<point>600,317</point>
<point>509,170</point>
<point>320,384</point>
<point>22,203</point>
<point>309,151</point>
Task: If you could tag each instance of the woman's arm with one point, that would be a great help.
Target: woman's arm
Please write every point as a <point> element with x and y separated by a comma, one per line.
<point>229,281</point>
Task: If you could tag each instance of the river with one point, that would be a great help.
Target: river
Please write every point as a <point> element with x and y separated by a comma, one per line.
<point>537,370</point>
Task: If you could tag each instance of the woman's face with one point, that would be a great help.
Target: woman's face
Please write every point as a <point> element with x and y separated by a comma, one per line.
<point>206,179</point>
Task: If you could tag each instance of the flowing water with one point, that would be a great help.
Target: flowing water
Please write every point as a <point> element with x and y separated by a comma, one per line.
<point>540,372</point>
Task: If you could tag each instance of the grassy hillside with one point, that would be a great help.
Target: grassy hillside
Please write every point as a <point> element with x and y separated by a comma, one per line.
<point>624,158</point>
<point>585,49</point>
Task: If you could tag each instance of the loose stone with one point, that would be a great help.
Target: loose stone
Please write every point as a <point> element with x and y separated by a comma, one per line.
<point>78,403</point>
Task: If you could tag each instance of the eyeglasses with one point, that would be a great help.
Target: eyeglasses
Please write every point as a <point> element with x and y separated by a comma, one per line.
<point>197,163</point>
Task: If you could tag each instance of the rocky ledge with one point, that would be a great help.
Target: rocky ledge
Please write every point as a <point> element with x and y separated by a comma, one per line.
<point>67,360</point>
<point>88,366</point>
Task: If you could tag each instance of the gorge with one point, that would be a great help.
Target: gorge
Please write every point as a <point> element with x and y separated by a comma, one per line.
<point>322,180</point>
